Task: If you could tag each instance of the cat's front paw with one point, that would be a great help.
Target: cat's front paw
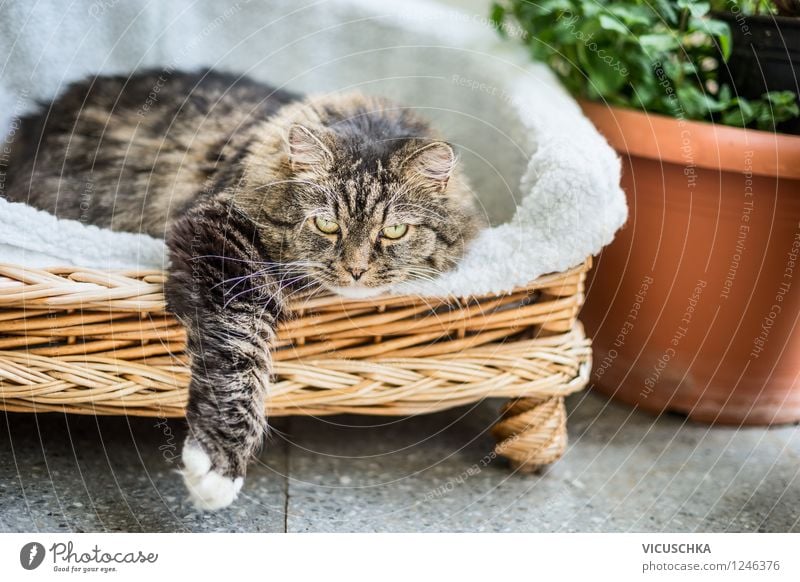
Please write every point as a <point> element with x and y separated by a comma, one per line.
<point>208,489</point>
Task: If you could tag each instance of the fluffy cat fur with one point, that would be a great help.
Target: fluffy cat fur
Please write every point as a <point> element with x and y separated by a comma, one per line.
<point>238,176</point>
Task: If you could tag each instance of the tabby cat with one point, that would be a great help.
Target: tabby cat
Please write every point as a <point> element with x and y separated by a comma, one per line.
<point>260,193</point>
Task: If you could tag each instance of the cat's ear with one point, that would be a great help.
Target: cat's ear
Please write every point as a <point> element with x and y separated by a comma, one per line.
<point>306,149</point>
<point>432,164</point>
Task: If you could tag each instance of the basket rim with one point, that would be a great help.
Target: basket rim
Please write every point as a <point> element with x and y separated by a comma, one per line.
<point>63,287</point>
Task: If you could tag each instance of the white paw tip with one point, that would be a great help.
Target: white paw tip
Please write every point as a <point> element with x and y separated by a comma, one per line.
<point>208,490</point>
<point>195,459</point>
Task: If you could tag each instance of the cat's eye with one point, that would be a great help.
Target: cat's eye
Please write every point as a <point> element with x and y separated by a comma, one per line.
<point>395,231</point>
<point>326,226</point>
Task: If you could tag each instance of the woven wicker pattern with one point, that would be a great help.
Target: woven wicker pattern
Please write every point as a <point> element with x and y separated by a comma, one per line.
<point>93,342</point>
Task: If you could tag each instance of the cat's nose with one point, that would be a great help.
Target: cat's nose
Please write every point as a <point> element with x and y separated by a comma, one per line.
<point>356,272</point>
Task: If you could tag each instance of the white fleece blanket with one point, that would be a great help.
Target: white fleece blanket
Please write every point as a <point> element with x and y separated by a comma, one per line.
<point>545,177</point>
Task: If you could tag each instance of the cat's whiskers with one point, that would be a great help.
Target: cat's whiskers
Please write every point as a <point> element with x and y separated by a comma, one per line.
<point>425,273</point>
<point>262,286</point>
<point>270,270</point>
<point>235,260</point>
<point>287,297</point>
<point>298,270</point>
<point>238,279</point>
<point>309,285</point>
<point>250,290</point>
<point>284,284</point>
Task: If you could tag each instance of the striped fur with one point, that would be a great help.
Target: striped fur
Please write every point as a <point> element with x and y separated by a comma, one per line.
<point>235,174</point>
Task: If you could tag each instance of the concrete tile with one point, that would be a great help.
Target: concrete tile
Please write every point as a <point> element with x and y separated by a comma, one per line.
<point>383,474</point>
<point>78,473</point>
<point>668,474</point>
<point>418,474</point>
<point>624,471</point>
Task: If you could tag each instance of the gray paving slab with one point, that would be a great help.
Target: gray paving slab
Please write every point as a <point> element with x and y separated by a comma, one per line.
<point>624,471</point>
<point>78,473</point>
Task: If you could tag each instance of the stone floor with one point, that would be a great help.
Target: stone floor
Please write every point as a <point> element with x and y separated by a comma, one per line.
<point>624,471</point>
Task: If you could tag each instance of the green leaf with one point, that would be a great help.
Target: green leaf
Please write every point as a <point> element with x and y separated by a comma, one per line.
<point>781,98</point>
<point>733,117</point>
<point>710,26</point>
<point>497,16</point>
<point>725,44</point>
<point>554,6</point>
<point>696,9</point>
<point>609,23</point>
<point>783,105</point>
<point>591,9</point>
<point>608,79</point>
<point>746,109</point>
<point>724,94</point>
<point>658,43</point>
<point>717,29</point>
<point>668,11</point>
<point>631,15</point>
<point>697,103</point>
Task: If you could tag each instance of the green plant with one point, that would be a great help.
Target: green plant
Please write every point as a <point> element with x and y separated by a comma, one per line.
<point>662,56</point>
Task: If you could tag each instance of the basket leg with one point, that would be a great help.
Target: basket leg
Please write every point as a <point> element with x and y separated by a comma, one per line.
<point>532,432</point>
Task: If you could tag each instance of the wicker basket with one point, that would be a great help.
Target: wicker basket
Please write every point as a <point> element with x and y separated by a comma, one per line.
<point>90,342</point>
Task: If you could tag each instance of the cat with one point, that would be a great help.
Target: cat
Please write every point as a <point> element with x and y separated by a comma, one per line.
<point>260,193</point>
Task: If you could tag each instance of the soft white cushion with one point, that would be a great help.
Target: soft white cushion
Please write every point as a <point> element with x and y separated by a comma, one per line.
<point>547,179</point>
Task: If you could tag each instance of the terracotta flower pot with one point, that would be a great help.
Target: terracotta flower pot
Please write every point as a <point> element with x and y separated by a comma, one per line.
<point>694,308</point>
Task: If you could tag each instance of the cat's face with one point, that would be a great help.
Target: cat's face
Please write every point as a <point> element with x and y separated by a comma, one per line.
<point>360,221</point>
